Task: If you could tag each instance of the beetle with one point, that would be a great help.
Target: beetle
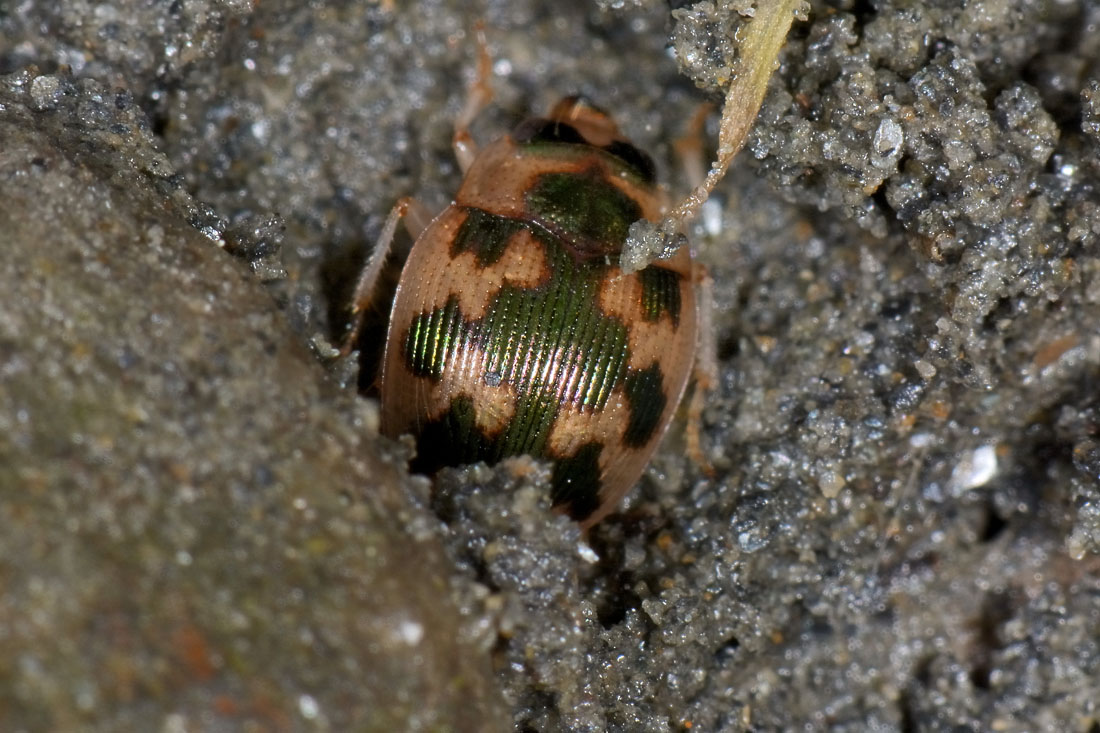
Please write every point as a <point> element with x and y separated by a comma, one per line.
<point>513,329</point>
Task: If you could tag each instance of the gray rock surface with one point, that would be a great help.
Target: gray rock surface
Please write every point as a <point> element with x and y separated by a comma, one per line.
<point>903,523</point>
<point>199,531</point>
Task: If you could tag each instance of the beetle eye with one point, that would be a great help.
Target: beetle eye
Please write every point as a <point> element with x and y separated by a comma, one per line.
<point>540,130</point>
<point>641,163</point>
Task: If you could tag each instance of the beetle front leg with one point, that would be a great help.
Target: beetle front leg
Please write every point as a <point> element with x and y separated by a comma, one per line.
<point>689,146</point>
<point>478,97</point>
<point>416,219</point>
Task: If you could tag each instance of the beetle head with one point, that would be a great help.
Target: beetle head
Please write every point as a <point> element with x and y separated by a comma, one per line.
<point>575,120</point>
<point>595,126</point>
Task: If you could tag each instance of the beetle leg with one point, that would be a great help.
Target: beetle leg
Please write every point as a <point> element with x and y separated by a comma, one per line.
<point>372,268</point>
<point>689,146</point>
<point>689,149</point>
<point>477,98</point>
<point>417,217</point>
<point>706,366</point>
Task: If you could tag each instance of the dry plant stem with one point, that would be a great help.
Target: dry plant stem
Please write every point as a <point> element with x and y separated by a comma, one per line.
<point>764,37</point>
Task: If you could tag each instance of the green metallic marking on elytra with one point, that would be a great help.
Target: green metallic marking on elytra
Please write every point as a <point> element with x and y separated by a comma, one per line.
<point>485,235</point>
<point>575,481</point>
<point>432,338</point>
<point>660,293</point>
<point>529,428</point>
<point>645,391</point>
<point>584,209</point>
<point>554,337</point>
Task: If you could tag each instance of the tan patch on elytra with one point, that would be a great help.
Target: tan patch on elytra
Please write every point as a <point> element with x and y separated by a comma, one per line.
<point>619,465</point>
<point>522,264</point>
<point>649,341</point>
<point>408,401</point>
<point>463,374</point>
<point>494,404</point>
<point>574,427</point>
<point>431,275</point>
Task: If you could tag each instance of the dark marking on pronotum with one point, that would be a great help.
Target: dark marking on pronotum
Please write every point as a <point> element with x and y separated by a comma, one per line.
<point>583,209</point>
